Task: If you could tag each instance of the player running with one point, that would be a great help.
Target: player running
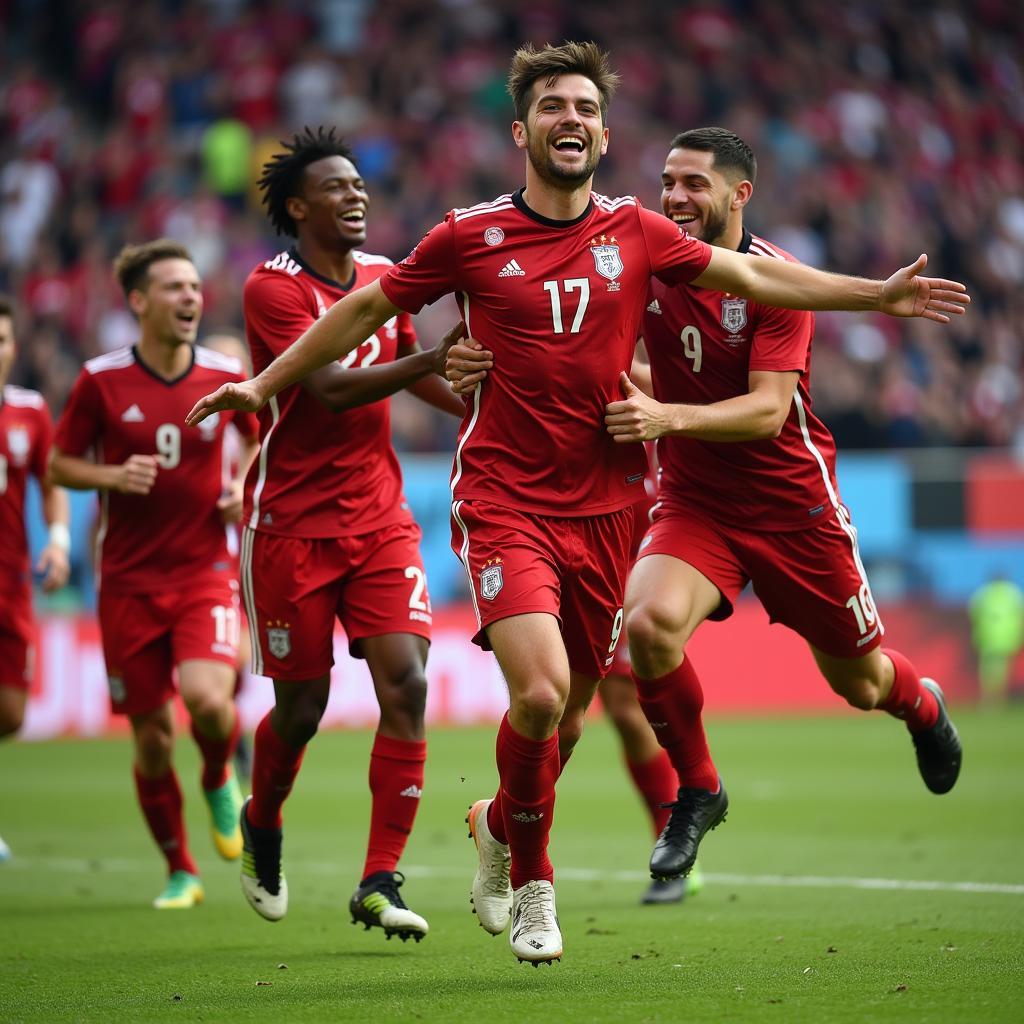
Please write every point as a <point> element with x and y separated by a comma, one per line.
<point>554,279</point>
<point>26,431</point>
<point>168,593</point>
<point>327,530</point>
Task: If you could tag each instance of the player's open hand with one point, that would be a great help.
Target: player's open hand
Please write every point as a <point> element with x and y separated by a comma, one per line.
<point>637,417</point>
<point>907,294</point>
<point>442,348</point>
<point>244,396</point>
<point>54,567</point>
<point>137,474</point>
<point>229,504</point>
<point>467,365</point>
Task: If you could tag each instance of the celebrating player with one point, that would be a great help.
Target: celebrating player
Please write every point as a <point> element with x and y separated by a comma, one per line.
<point>168,593</point>
<point>328,533</point>
<point>554,279</point>
<point>25,435</point>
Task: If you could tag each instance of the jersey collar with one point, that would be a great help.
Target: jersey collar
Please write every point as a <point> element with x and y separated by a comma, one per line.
<point>520,204</point>
<point>294,254</point>
<point>146,368</point>
<point>745,241</point>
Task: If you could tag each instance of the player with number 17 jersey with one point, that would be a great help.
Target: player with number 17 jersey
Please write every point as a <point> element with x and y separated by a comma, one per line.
<point>543,496</point>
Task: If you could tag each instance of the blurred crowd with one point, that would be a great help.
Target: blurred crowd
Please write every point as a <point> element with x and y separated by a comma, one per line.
<point>882,130</point>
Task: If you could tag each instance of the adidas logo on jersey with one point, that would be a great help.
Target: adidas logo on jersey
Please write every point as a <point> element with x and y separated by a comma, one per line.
<point>413,791</point>
<point>512,269</point>
<point>654,308</point>
<point>133,414</point>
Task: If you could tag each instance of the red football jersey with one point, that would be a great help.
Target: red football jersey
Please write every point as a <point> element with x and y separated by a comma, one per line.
<point>26,431</point>
<point>119,407</point>
<point>559,303</point>
<point>320,473</point>
<point>702,345</point>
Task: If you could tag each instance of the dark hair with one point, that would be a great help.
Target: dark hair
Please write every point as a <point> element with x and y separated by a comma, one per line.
<point>731,152</point>
<point>131,267</point>
<point>282,173</point>
<point>530,65</point>
<point>6,306</point>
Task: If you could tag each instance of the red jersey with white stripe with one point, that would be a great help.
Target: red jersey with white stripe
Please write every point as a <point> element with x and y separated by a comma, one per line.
<point>559,304</point>
<point>320,473</point>
<point>26,431</point>
<point>702,345</point>
<point>119,407</point>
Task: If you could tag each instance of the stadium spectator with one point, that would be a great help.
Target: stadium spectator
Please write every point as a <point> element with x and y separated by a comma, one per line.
<point>550,507</point>
<point>26,431</point>
<point>327,531</point>
<point>997,629</point>
<point>168,596</point>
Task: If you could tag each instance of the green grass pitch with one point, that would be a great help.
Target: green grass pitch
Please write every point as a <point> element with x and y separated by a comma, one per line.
<point>797,922</point>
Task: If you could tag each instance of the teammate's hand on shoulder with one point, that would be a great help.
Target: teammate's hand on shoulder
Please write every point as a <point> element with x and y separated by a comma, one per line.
<point>441,349</point>
<point>243,396</point>
<point>229,504</point>
<point>137,474</point>
<point>637,417</point>
<point>467,365</point>
<point>934,298</point>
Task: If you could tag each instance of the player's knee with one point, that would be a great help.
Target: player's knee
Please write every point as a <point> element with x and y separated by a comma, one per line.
<point>406,693</point>
<point>652,627</point>
<point>153,747</point>
<point>541,704</point>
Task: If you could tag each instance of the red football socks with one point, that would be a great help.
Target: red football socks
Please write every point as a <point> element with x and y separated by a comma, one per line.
<point>396,785</point>
<point>217,754</point>
<point>908,699</point>
<point>160,800</point>
<point>528,770</point>
<point>274,767</point>
<point>657,784</point>
<point>673,706</point>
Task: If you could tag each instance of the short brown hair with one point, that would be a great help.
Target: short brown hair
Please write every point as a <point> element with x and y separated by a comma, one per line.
<point>530,65</point>
<point>131,267</point>
<point>6,306</point>
<point>731,155</point>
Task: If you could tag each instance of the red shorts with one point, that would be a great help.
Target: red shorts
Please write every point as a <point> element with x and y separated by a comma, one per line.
<point>811,580</point>
<point>17,636</point>
<point>146,634</point>
<point>572,568</point>
<point>294,587</point>
<point>643,511</point>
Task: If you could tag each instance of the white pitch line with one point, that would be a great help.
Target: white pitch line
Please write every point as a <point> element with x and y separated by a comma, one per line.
<point>104,865</point>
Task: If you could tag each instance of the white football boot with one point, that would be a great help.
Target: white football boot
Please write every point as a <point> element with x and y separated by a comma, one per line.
<point>535,935</point>
<point>492,891</point>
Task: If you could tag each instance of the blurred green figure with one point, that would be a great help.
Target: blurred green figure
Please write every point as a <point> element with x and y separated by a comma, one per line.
<point>997,626</point>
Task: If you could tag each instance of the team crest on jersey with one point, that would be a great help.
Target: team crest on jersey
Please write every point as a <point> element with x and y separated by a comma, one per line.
<point>607,257</point>
<point>279,639</point>
<point>734,314</point>
<point>18,444</point>
<point>491,579</point>
<point>494,236</point>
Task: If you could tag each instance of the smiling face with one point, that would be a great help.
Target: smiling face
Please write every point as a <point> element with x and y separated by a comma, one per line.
<point>170,303</point>
<point>699,198</point>
<point>563,133</point>
<point>333,204</point>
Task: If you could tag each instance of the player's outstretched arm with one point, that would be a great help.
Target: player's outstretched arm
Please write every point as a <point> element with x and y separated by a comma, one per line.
<point>136,475</point>
<point>795,286</point>
<point>344,326</point>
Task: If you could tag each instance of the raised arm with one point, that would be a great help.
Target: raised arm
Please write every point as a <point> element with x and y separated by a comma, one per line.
<point>796,286</point>
<point>344,326</point>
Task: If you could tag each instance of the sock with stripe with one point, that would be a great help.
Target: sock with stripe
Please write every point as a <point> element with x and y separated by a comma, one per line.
<point>908,699</point>
<point>396,785</point>
<point>673,705</point>
<point>217,753</point>
<point>528,770</point>
<point>657,784</point>
<point>161,803</point>
<point>274,767</point>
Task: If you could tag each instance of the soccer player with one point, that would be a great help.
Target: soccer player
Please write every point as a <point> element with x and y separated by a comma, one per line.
<point>327,531</point>
<point>554,279</point>
<point>168,593</point>
<point>26,431</point>
<point>748,493</point>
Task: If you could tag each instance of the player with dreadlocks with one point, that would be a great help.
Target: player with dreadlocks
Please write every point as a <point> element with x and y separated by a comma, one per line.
<point>327,532</point>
